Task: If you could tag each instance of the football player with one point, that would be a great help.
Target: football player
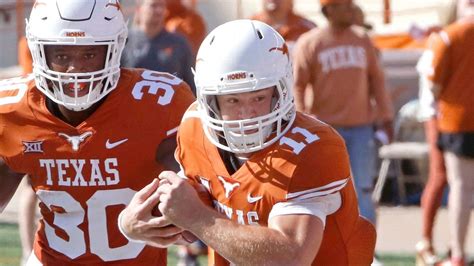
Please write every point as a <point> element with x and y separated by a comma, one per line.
<point>280,180</point>
<point>88,133</point>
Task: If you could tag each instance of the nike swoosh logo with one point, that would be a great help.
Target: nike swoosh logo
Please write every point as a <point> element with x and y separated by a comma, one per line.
<point>251,199</point>
<point>110,145</point>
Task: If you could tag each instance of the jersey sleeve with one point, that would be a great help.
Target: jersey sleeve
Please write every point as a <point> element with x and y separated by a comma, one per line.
<point>183,139</point>
<point>322,169</point>
<point>320,207</point>
<point>200,188</point>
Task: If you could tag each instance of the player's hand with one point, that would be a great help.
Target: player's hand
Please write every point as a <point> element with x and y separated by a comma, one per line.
<point>139,224</point>
<point>179,201</point>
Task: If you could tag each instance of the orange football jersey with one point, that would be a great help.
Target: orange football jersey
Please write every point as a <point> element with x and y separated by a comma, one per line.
<point>310,160</point>
<point>85,175</point>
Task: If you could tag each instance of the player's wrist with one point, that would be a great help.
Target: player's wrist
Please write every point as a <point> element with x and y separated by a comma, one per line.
<point>123,231</point>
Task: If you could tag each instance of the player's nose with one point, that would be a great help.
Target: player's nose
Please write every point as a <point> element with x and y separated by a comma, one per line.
<point>76,66</point>
<point>247,111</point>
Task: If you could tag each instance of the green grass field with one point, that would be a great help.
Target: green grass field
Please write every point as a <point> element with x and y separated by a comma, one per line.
<point>10,250</point>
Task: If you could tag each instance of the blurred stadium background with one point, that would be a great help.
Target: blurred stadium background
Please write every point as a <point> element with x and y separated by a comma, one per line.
<point>399,225</point>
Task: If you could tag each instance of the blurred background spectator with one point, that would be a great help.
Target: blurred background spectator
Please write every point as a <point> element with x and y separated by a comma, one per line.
<point>437,181</point>
<point>151,46</point>
<point>452,72</point>
<point>322,57</point>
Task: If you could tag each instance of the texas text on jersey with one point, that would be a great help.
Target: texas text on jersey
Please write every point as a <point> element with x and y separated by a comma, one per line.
<point>85,175</point>
<point>309,161</point>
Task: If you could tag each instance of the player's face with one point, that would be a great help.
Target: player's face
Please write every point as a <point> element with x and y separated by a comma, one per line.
<point>245,105</point>
<point>75,59</point>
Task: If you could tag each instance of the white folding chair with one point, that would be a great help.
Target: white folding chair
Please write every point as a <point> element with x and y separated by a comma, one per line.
<point>409,144</point>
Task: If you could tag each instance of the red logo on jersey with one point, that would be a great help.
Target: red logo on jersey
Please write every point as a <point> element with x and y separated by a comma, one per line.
<point>283,49</point>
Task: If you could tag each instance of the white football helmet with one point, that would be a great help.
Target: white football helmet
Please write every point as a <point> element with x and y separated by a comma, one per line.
<point>76,22</point>
<point>244,56</point>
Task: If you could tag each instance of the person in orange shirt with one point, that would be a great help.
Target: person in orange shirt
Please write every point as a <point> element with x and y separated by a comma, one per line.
<point>185,21</point>
<point>280,180</point>
<point>437,180</point>
<point>451,74</point>
<point>72,127</point>
<point>354,104</point>
<point>279,14</point>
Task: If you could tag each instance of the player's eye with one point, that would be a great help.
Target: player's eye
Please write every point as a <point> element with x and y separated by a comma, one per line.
<point>90,55</point>
<point>61,57</point>
<point>232,100</point>
<point>260,98</point>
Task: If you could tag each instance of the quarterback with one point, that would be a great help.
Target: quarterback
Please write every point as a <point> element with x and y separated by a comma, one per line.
<point>88,133</point>
<point>279,180</point>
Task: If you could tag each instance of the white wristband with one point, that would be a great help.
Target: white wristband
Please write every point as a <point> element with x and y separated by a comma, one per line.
<point>119,221</point>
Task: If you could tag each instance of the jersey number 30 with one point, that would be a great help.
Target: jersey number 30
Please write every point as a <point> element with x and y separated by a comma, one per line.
<point>155,81</point>
<point>73,216</point>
